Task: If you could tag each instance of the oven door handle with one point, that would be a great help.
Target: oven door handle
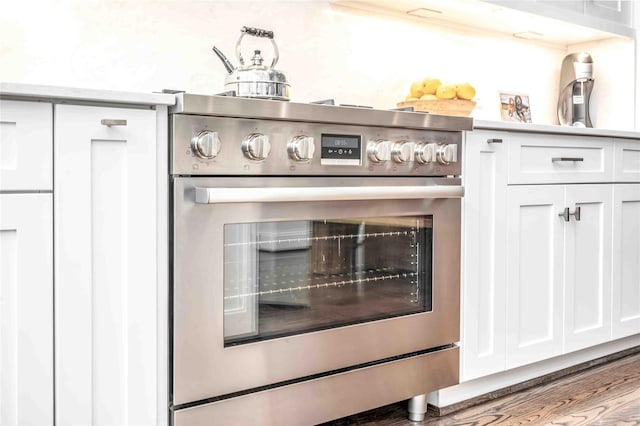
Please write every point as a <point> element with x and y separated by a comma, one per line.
<point>304,194</point>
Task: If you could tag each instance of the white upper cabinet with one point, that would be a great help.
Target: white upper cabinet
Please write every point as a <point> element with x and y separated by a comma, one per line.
<point>572,5</point>
<point>613,16</point>
<point>619,11</point>
<point>26,146</point>
<point>560,22</point>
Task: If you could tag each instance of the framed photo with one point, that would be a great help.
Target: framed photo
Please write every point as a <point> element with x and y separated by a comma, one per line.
<point>515,107</point>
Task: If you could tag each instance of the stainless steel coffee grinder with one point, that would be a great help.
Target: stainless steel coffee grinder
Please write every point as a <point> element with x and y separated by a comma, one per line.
<point>576,84</point>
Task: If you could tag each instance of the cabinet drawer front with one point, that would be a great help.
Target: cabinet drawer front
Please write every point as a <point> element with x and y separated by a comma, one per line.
<point>627,160</point>
<point>26,146</point>
<point>559,159</point>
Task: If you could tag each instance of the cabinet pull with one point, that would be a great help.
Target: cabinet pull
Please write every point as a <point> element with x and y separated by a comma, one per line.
<point>554,159</point>
<point>494,140</point>
<point>112,122</point>
<point>565,214</point>
<point>576,214</point>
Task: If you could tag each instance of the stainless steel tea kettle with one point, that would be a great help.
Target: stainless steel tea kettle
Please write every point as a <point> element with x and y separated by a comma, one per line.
<point>255,80</point>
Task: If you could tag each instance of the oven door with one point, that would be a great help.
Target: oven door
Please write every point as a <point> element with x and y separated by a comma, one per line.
<point>277,279</point>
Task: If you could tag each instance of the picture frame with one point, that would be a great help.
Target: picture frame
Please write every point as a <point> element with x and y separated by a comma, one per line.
<point>515,107</point>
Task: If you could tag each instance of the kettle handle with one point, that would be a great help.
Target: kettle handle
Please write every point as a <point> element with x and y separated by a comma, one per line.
<point>257,32</point>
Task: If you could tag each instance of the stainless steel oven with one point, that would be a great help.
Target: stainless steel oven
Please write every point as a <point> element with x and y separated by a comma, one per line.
<point>315,260</point>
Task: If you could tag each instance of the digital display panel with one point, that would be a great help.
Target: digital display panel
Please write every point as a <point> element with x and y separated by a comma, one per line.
<point>337,141</point>
<point>344,149</point>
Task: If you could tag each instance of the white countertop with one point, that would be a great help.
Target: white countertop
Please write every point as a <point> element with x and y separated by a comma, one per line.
<point>43,92</point>
<point>548,128</point>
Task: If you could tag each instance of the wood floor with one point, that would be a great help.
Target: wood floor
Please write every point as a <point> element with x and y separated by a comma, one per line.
<point>604,395</point>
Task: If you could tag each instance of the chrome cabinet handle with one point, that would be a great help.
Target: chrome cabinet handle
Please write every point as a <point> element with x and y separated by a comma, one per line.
<point>576,214</point>
<point>494,140</point>
<point>555,159</point>
<point>305,194</point>
<point>113,122</point>
<point>566,214</point>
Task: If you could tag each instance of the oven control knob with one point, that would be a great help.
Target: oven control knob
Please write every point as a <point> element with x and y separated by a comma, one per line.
<point>206,144</point>
<point>301,148</point>
<point>256,146</point>
<point>425,153</point>
<point>402,152</point>
<point>379,151</point>
<point>447,154</point>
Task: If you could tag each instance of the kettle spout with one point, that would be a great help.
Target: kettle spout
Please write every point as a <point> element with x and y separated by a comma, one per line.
<point>224,60</point>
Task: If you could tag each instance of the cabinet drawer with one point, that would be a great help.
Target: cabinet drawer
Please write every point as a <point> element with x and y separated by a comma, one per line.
<point>559,159</point>
<point>627,160</point>
<point>26,146</point>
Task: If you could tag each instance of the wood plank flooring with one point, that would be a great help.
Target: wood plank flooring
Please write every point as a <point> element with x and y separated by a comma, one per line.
<point>605,395</point>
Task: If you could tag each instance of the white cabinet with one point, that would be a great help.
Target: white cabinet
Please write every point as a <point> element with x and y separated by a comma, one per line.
<point>618,11</point>
<point>537,284</point>
<point>26,309</point>
<point>26,146</point>
<point>535,265</point>
<point>105,267</point>
<point>26,263</point>
<point>587,266</point>
<point>614,16</point>
<point>559,159</point>
<point>572,5</point>
<point>484,256</point>
<point>626,260</point>
<point>627,160</point>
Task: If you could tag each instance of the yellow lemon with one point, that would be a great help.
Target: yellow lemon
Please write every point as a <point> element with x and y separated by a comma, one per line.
<point>465,91</point>
<point>446,91</point>
<point>428,97</point>
<point>430,85</point>
<point>410,98</point>
<point>416,89</point>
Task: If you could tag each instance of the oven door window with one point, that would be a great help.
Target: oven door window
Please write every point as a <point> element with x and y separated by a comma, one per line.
<point>285,278</point>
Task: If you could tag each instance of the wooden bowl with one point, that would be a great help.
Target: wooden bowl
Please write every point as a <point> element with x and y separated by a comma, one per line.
<point>441,106</point>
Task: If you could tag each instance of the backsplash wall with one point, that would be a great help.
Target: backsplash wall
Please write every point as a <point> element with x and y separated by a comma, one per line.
<point>326,51</point>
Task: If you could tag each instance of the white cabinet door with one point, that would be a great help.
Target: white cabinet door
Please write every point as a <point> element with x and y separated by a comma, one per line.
<point>105,227</point>
<point>535,259</point>
<point>612,10</point>
<point>587,283</point>
<point>626,260</point>
<point>484,272</point>
<point>26,146</point>
<point>26,309</point>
